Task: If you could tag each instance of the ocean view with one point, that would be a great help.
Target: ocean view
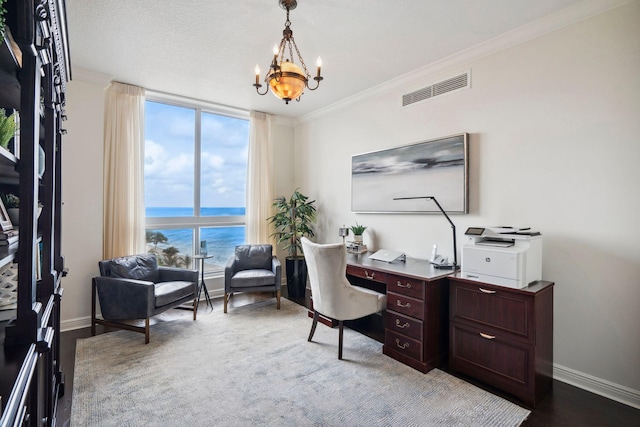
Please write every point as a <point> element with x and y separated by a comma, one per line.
<point>221,241</point>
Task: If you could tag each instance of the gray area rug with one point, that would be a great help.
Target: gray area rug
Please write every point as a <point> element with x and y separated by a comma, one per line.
<point>254,366</point>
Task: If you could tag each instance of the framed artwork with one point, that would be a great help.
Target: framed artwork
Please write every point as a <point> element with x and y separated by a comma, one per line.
<point>5,222</point>
<point>437,167</point>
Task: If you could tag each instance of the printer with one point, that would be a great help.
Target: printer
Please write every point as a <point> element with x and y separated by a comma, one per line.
<point>506,256</point>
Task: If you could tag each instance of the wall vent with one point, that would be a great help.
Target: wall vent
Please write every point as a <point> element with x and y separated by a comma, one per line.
<point>452,84</point>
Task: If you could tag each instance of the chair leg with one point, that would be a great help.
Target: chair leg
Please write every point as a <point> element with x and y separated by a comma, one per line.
<point>313,325</point>
<point>195,307</point>
<point>340,327</point>
<point>146,330</point>
<point>226,299</point>
<point>278,294</point>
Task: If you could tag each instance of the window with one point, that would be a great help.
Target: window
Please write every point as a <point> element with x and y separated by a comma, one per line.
<point>195,169</point>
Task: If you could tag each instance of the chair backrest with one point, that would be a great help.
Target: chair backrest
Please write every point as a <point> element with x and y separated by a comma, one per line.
<point>139,267</point>
<point>252,257</point>
<point>327,268</point>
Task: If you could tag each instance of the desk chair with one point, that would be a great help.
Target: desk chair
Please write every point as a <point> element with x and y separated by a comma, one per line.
<point>333,295</point>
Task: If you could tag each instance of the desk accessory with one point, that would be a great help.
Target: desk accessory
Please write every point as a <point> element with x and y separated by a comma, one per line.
<point>343,232</point>
<point>440,264</point>
<point>388,256</point>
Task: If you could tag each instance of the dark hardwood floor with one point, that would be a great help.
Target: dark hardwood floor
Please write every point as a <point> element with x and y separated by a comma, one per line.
<point>566,405</point>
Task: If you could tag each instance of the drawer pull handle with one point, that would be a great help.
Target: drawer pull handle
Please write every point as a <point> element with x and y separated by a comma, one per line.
<point>403,346</point>
<point>489,337</point>
<point>370,276</point>
<point>487,291</point>
<point>404,325</point>
<point>399,304</point>
<point>400,285</point>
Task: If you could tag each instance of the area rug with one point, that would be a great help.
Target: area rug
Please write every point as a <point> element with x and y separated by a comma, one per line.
<point>254,367</point>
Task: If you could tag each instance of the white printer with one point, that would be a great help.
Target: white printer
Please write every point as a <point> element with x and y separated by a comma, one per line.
<point>505,256</point>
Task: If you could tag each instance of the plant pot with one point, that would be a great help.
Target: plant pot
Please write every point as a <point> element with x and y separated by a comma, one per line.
<point>357,238</point>
<point>14,215</point>
<point>296,269</point>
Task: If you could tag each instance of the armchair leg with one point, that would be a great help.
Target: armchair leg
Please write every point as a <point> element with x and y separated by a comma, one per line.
<point>278,294</point>
<point>195,307</point>
<point>226,300</point>
<point>146,330</point>
<point>340,327</point>
<point>313,325</point>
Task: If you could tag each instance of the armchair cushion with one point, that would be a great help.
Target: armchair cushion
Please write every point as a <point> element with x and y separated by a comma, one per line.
<point>250,257</point>
<point>139,267</point>
<point>169,292</point>
<point>253,278</point>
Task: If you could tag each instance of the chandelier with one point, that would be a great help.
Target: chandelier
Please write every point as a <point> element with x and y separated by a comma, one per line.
<point>286,79</point>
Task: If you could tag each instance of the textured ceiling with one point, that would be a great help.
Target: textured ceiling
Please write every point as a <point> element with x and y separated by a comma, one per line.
<point>208,49</point>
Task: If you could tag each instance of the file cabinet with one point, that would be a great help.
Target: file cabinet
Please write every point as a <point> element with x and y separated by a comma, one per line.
<point>503,336</point>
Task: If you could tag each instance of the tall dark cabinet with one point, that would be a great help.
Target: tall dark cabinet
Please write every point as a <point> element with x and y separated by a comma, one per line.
<point>34,71</point>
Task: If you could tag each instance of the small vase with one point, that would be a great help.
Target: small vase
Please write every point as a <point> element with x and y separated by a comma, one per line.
<point>357,238</point>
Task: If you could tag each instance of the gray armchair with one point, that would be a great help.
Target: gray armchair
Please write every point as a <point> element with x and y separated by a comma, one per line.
<point>252,268</point>
<point>135,287</point>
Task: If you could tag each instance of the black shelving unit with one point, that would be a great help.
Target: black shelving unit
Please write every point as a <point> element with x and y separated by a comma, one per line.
<point>34,71</point>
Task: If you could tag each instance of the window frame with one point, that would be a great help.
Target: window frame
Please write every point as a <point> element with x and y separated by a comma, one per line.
<point>196,222</point>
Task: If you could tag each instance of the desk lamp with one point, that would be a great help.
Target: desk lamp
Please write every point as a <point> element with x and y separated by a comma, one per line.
<point>454,265</point>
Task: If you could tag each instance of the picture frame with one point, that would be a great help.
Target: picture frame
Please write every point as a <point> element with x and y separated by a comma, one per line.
<point>5,222</point>
<point>437,167</point>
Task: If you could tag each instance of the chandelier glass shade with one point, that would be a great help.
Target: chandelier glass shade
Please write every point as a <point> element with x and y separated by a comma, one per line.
<point>285,78</point>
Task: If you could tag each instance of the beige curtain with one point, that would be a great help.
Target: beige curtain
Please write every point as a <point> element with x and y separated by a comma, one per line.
<point>123,171</point>
<point>259,180</point>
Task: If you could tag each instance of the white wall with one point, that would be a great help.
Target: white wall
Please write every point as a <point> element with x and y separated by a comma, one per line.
<point>554,123</point>
<point>82,194</point>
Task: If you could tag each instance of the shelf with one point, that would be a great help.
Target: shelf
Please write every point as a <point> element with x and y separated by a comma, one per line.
<point>10,63</point>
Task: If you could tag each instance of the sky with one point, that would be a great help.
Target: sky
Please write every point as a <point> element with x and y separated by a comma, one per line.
<point>169,157</point>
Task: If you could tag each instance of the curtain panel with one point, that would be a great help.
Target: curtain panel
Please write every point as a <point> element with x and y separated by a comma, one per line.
<point>123,171</point>
<point>260,180</point>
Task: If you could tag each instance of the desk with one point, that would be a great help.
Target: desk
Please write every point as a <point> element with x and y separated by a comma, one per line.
<point>416,320</point>
<point>203,286</point>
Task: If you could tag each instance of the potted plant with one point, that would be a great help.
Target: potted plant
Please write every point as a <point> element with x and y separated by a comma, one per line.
<point>294,219</point>
<point>358,231</point>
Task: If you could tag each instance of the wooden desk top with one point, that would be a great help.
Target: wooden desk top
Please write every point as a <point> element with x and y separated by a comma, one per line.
<point>416,268</point>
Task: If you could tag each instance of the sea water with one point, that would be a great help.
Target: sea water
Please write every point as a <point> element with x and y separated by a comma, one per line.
<point>221,241</point>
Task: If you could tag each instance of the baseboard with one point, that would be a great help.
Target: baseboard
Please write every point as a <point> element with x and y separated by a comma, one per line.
<point>617,392</point>
<point>77,323</point>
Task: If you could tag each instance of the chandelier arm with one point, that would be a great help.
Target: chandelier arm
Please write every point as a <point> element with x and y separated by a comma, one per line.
<point>317,79</point>
<point>258,86</point>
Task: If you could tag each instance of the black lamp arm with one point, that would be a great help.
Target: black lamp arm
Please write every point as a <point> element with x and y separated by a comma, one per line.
<point>453,227</point>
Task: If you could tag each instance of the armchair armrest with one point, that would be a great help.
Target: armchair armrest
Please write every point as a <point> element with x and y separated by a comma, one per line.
<point>276,267</point>
<point>229,271</point>
<point>172,274</point>
<point>125,298</point>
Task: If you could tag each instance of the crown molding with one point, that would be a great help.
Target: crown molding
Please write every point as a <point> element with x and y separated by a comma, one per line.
<point>89,76</point>
<point>551,23</point>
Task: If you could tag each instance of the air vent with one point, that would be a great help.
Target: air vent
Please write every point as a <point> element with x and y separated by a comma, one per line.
<point>440,88</point>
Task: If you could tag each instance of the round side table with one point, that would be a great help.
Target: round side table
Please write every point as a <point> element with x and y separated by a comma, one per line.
<point>203,286</point>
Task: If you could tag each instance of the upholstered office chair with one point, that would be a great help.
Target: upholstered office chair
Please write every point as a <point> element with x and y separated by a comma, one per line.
<point>252,268</point>
<point>333,295</point>
<point>135,287</point>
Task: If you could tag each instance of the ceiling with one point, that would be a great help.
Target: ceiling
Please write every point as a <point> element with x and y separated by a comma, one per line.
<point>207,49</point>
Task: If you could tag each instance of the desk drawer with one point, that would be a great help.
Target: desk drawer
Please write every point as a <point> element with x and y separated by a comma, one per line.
<point>405,305</point>
<point>406,286</point>
<point>365,273</point>
<point>505,363</point>
<point>405,325</point>
<point>403,344</point>
<point>494,307</point>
